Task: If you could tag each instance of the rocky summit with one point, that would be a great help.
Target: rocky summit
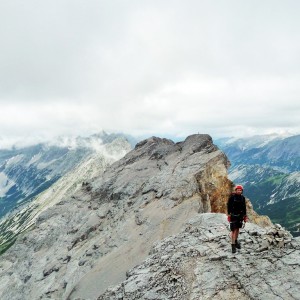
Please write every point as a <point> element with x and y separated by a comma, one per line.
<point>196,264</point>
<point>152,226</point>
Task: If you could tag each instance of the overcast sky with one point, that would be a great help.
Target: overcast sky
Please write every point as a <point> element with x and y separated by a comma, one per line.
<point>147,67</point>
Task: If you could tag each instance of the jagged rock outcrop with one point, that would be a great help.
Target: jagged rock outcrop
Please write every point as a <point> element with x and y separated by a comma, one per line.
<point>88,241</point>
<point>196,264</point>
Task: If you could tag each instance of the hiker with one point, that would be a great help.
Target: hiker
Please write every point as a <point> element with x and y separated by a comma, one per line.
<point>236,214</point>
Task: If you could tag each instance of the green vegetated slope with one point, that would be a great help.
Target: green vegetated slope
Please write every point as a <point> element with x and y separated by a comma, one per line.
<point>278,197</point>
<point>8,232</point>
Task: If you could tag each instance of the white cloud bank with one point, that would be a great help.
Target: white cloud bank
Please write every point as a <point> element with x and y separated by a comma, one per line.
<point>221,67</point>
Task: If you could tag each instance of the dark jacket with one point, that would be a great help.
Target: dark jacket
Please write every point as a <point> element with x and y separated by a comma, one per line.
<point>236,205</point>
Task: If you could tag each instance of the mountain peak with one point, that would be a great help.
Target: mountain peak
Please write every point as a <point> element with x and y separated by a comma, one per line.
<point>161,194</point>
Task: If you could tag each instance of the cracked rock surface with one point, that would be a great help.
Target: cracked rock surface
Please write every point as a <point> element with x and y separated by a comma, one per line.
<point>152,226</point>
<point>197,264</point>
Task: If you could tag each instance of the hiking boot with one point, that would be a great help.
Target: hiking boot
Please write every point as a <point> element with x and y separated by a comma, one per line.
<point>237,245</point>
<point>233,248</point>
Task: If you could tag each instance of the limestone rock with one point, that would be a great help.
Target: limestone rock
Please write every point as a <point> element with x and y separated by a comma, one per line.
<point>154,209</point>
<point>180,268</point>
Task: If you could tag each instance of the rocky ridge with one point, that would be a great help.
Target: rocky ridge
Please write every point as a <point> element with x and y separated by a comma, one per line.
<point>88,241</point>
<point>196,264</point>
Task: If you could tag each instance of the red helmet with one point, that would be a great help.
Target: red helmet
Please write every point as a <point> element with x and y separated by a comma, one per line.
<point>240,187</point>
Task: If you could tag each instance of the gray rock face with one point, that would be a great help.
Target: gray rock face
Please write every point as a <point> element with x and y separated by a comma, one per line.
<point>87,242</point>
<point>197,264</point>
<point>161,169</point>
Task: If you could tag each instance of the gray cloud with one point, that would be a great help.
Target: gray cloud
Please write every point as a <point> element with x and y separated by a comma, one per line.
<point>149,67</point>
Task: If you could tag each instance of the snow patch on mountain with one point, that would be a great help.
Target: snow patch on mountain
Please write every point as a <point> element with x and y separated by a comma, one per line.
<point>14,160</point>
<point>5,184</point>
<point>35,158</point>
<point>237,173</point>
<point>257,141</point>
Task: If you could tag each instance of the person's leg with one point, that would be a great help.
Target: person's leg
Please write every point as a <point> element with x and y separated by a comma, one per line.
<point>237,244</point>
<point>234,233</point>
<point>233,236</point>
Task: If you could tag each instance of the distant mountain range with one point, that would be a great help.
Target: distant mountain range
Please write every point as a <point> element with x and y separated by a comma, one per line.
<point>269,168</point>
<point>26,172</point>
<point>25,215</point>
